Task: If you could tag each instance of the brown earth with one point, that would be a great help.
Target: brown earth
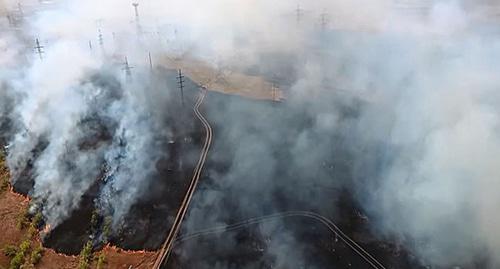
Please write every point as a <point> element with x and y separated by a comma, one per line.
<point>11,206</point>
<point>225,81</point>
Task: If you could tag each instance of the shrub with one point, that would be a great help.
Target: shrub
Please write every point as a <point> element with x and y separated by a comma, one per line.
<point>4,174</point>
<point>21,253</point>
<point>4,182</point>
<point>101,261</point>
<point>106,230</point>
<point>32,232</point>
<point>85,256</point>
<point>37,219</point>
<point>22,218</point>
<point>94,219</point>
<point>25,246</point>
<point>36,255</point>
<point>19,258</point>
<point>10,251</point>
<point>17,261</point>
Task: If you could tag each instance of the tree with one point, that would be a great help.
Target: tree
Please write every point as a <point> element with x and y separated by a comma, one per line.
<point>85,256</point>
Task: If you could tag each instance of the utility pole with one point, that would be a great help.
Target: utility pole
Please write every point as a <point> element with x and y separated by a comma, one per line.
<point>39,48</point>
<point>138,25</point>
<point>274,89</point>
<point>128,69</point>
<point>150,61</point>
<point>100,38</point>
<point>181,86</point>
<point>90,45</point>
<point>136,5</point>
<point>10,19</point>
<point>299,12</point>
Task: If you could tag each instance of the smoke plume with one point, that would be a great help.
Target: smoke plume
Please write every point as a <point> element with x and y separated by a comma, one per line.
<point>394,101</point>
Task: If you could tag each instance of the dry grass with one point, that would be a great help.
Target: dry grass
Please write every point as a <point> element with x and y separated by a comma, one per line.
<point>224,81</point>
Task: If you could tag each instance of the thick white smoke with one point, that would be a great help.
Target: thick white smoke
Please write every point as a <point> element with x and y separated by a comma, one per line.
<point>437,191</point>
<point>427,70</point>
<point>53,106</point>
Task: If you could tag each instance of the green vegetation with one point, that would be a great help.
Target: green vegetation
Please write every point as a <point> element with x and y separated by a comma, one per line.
<point>10,251</point>
<point>23,218</point>
<point>4,174</point>
<point>33,227</point>
<point>21,254</point>
<point>31,232</point>
<point>106,230</point>
<point>94,218</point>
<point>25,246</point>
<point>101,261</point>
<point>36,255</point>
<point>16,262</point>
<point>85,256</point>
<point>37,219</point>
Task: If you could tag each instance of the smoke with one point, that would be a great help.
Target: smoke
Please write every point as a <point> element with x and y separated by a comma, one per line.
<point>71,114</point>
<point>394,101</point>
<point>435,189</point>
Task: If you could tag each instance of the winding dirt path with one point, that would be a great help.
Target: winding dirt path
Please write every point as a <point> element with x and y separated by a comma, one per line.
<point>164,252</point>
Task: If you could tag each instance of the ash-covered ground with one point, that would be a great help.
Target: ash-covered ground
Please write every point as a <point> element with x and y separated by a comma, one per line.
<point>252,171</point>
<point>259,175</point>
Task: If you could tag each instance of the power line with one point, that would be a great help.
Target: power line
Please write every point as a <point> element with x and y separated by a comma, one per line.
<point>299,12</point>
<point>39,48</point>
<point>128,69</point>
<point>180,80</point>
<point>339,234</point>
<point>150,61</point>
<point>100,38</point>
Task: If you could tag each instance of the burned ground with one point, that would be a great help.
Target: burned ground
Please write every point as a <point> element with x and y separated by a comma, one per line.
<point>254,156</point>
<point>150,216</point>
<point>266,158</point>
<point>301,154</point>
<point>253,170</point>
